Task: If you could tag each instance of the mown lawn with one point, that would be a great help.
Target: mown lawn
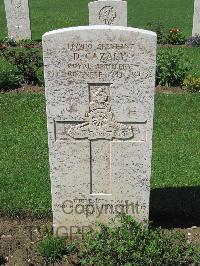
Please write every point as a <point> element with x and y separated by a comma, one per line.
<point>48,15</point>
<point>176,149</point>
<point>24,181</point>
<point>24,169</point>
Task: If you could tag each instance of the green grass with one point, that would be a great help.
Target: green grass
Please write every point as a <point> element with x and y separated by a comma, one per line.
<point>48,15</point>
<point>176,141</point>
<point>24,168</point>
<point>175,182</point>
<point>24,181</point>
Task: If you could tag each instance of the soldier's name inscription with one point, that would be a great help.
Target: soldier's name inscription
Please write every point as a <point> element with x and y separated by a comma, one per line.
<point>99,60</point>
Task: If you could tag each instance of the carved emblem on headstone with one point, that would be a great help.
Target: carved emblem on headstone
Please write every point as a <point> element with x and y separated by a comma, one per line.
<point>17,3</point>
<point>108,15</point>
<point>100,123</point>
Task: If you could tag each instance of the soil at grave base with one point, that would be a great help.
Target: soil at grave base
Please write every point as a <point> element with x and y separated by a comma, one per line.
<point>25,89</point>
<point>37,89</point>
<point>18,239</point>
<point>170,90</point>
<point>174,45</point>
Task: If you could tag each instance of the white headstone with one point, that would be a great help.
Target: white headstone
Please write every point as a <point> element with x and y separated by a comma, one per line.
<point>18,22</point>
<point>108,12</point>
<point>196,19</point>
<point>100,84</point>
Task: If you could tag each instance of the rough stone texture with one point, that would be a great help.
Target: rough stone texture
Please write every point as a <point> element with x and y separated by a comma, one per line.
<point>108,12</point>
<point>100,84</point>
<point>18,22</point>
<point>196,19</point>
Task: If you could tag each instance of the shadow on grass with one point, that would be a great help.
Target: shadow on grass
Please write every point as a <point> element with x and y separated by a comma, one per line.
<point>175,207</point>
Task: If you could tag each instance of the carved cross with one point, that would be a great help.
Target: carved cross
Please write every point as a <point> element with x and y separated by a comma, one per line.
<point>18,27</point>
<point>101,129</point>
<point>17,3</point>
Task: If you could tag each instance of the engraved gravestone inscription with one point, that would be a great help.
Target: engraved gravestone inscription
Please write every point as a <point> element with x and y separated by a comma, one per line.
<point>18,21</point>
<point>196,18</point>
<point>99,83</point>
<point>108,12</point>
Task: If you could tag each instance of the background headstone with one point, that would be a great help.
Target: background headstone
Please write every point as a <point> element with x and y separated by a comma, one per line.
<point>196,19</point>
<point>99,83</point>
<point>18,21</point>
<point>108,12</point>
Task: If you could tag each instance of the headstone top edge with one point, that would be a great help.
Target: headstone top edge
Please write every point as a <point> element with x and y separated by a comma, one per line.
<point>99,27</point>
<point>106,1</point>
<point>100,1</point>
